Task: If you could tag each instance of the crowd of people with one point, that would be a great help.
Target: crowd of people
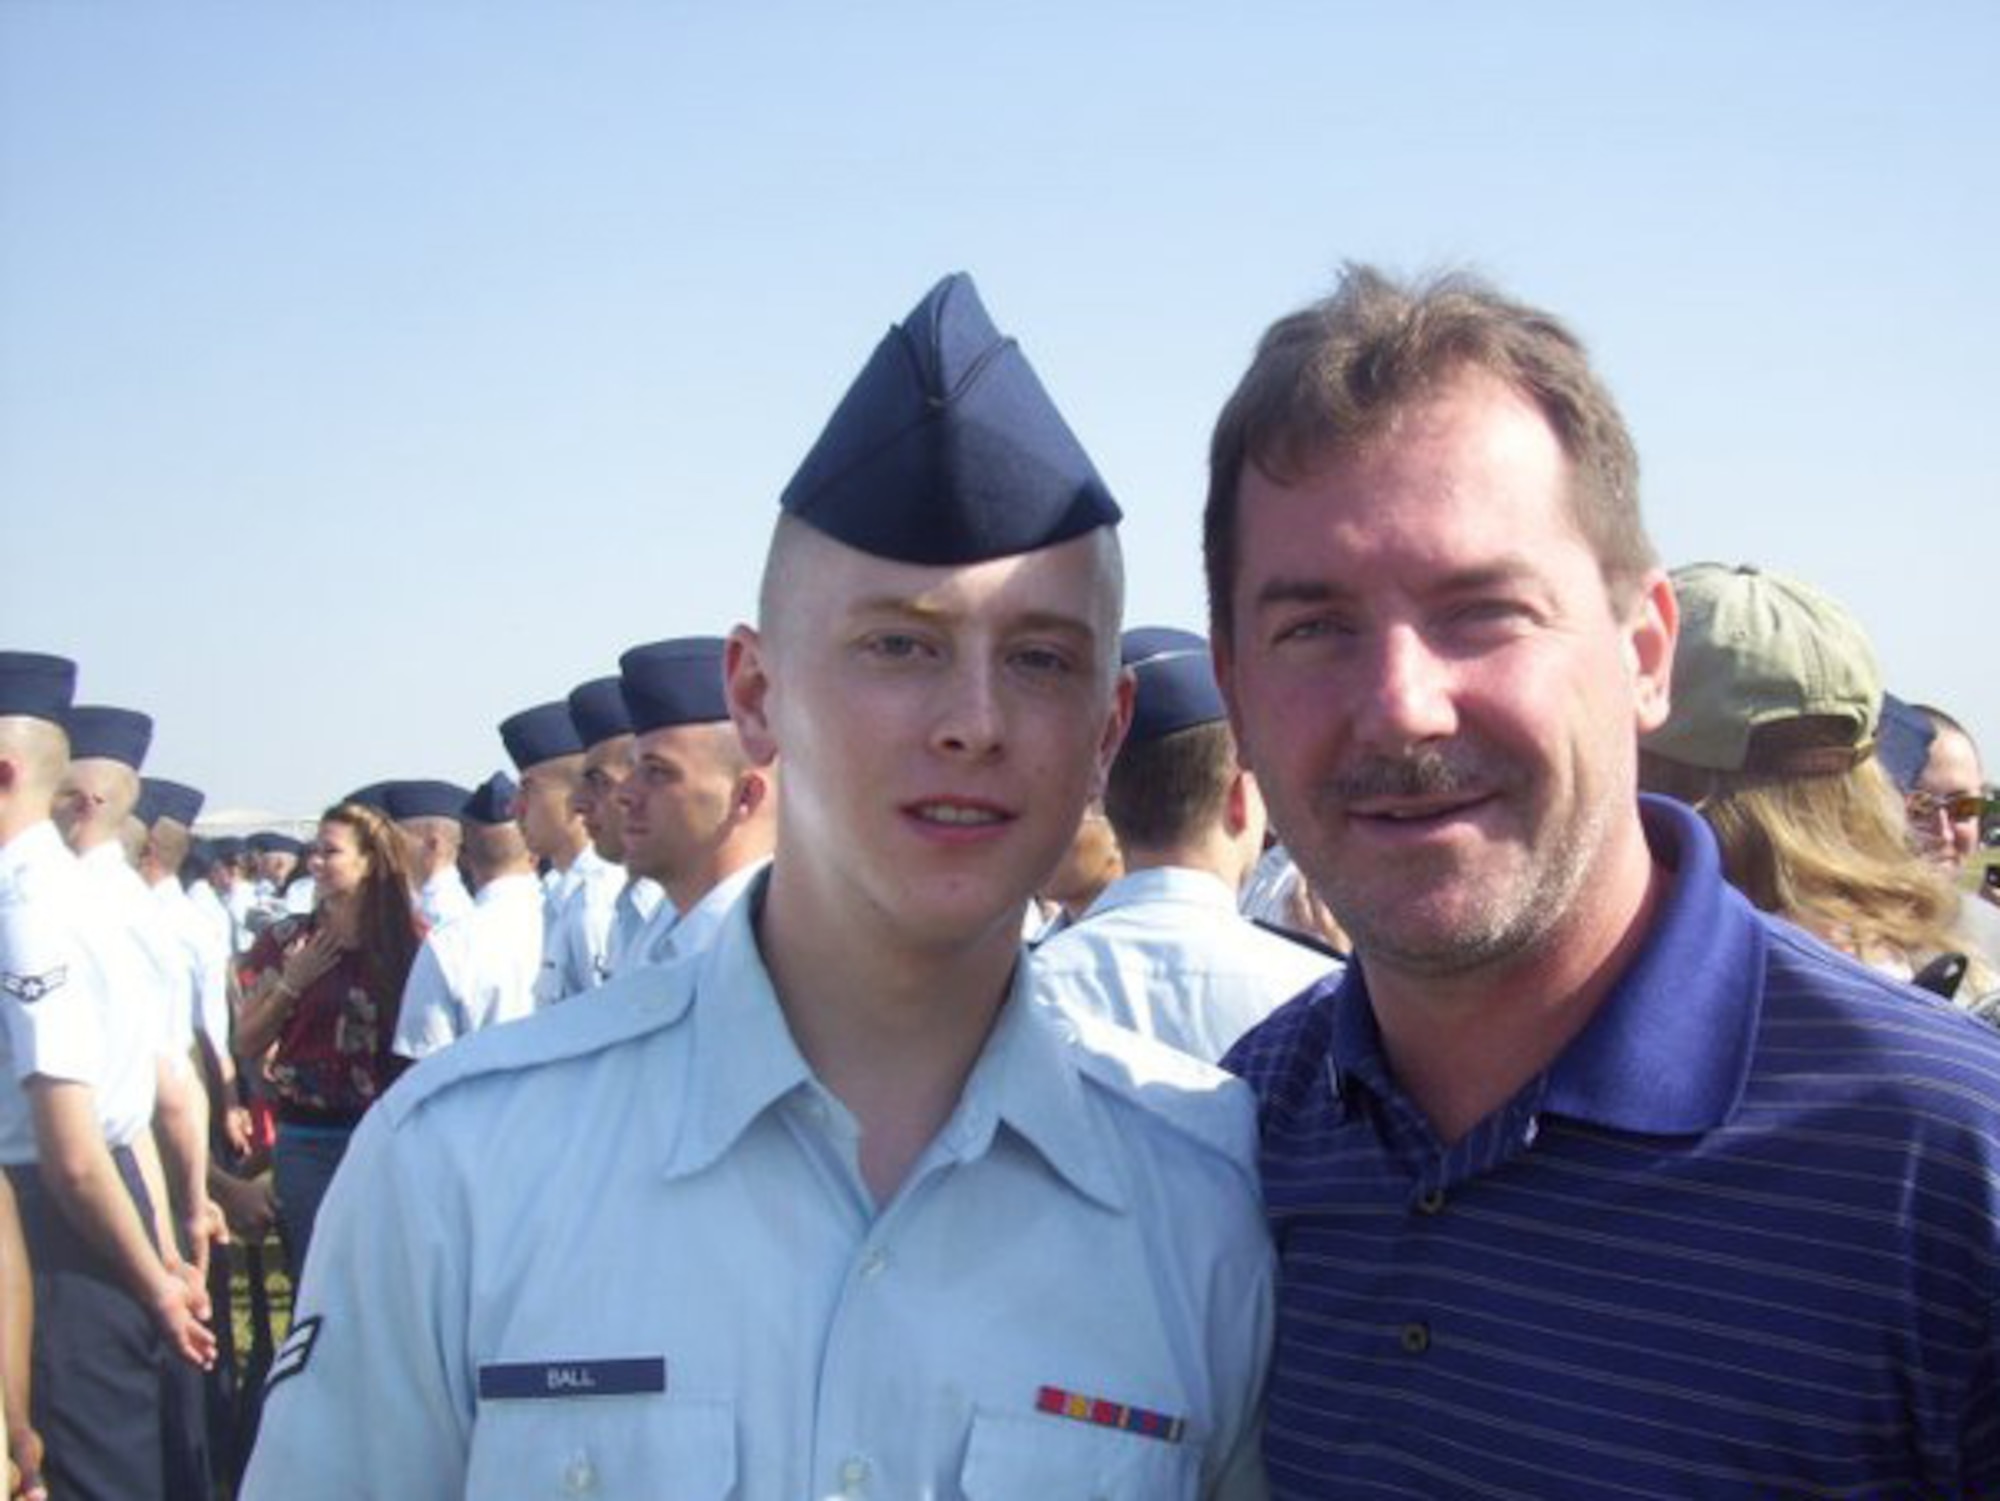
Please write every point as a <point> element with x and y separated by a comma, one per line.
<point>1493,1016</point>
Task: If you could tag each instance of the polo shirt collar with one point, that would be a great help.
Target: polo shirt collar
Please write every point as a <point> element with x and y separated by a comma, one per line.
<point>743,1061</point>
<point>1669,1050</point>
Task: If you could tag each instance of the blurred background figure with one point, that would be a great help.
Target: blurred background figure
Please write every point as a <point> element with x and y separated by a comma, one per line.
<point>479,970</point>
<point>1777,702</point>
<point>1163,949</point>
<point>321,998</point>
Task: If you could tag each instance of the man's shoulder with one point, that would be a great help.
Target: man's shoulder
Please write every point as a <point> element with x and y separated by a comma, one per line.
<point>1194,1101</point>
<point>620,1013</point>
<point>1290,1043</point>
<point>1904,1048</point>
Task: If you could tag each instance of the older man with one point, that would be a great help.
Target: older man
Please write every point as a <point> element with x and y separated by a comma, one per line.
<point>1587,1178</point>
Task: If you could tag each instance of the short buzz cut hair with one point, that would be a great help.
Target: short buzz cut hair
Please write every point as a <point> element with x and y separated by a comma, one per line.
<point>1328,380</point>
<point>1168,791</point>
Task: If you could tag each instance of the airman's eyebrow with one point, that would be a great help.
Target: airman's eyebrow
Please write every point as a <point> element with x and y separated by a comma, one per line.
<point>1053,622</point>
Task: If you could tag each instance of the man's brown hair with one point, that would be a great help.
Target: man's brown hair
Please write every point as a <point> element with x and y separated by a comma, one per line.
<point>1329,379</point>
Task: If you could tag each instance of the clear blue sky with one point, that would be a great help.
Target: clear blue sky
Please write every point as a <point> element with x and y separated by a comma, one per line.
<point>370,371</point>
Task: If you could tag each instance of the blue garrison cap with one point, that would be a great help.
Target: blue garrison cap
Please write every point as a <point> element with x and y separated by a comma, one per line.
<point>34,685</point>
<point>265,841</point>
<point>160,798</point>
<point>674,682</point>
<point>98,732</point>
<point>224,847</point>
<point>418,798</point>
<point>492,801</point>
<point>946,449</point>
<point>540,734</point>
<point>371,795</point>
<point>1903,742</point>
<point>1175,681</point>
<point>597,709</point>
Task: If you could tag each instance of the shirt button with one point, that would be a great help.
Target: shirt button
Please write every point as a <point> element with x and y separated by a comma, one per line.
<point>874,1264</point>
<point>1430,1201</point>
<point>1416,1337</point>
<point>580,1478</point>
<point>854,1473</point>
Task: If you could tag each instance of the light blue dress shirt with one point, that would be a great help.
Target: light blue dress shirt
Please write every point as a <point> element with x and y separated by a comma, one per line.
<point>54,1002</point>
<point>476,972</point>
<point>625,1250</point>
<point>1165,952</point>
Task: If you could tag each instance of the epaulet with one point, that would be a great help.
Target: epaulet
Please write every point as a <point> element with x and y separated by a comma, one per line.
<point>1304,940</point>
<point>1199,1101</point>
<point>624,1007</point>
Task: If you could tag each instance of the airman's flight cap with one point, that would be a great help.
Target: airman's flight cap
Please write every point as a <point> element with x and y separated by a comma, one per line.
<point>946,449</point>
<point>675,682</point>
<point>540,734</point>
<point>160,798</point>
<point>98,732</point>
<point>492,801</point>
<point>597,709</point>
<point>35,685</point>
<point>1175,686</point>
<point>422,798</point>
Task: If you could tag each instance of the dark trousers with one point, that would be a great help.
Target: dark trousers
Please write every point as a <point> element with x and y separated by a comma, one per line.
<point>98,1361</point>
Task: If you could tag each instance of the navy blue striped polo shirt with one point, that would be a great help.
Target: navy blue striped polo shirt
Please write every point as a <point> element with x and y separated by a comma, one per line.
<point>1738,1241</point>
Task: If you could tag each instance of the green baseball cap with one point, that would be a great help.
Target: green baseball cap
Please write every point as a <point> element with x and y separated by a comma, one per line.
<point>1757,651</point>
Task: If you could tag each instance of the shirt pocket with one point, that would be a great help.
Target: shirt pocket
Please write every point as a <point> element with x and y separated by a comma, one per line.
<point>1030,1457</point>
<point>627,1448</point>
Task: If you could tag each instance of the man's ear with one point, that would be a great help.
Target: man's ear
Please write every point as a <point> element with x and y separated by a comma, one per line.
<point>747,686</point>
<point>1651,628</point>
<point>1119,721</point>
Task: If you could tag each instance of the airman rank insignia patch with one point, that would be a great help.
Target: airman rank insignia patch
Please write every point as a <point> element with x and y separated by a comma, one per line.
<point>1119,1415</point>
<point>28,989</point>
<point>294,1352</point>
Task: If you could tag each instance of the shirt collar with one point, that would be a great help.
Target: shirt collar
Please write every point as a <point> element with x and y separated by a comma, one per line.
<point>1164,883</point>
<point>1669,1048</point>
<point>514,888</point>
<point>745,1060</point>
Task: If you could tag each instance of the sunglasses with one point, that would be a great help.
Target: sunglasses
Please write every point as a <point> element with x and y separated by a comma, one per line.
<point>1958,806</point>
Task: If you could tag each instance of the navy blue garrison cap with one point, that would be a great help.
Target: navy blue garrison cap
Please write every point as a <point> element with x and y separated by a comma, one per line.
<point>1175,677</point>
<point>597,709</point>
<point>492,801</point>
<point>1903,742</point>
<point>674,682</point>
<point>34,685</point>
<point>98,732</point>
<point>422,799</point>
<point>371,795</point>
<point>946,449</point>
<point>264,841</point>
<point>540,734</point>
<point>159,798</point>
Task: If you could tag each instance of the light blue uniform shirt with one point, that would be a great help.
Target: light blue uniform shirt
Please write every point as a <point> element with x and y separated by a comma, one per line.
<point>577,938</point>
<point>671,1280</point>
<point>671,934</point>
<point>1166,953</point>
<point>443,898</point>
<point>149,989</point>
<point>638,900</point>
<point>476,972</point>
<point>53,999</point>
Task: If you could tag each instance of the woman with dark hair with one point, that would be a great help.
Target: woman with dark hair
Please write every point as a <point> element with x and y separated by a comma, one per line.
<point>321,997</point>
